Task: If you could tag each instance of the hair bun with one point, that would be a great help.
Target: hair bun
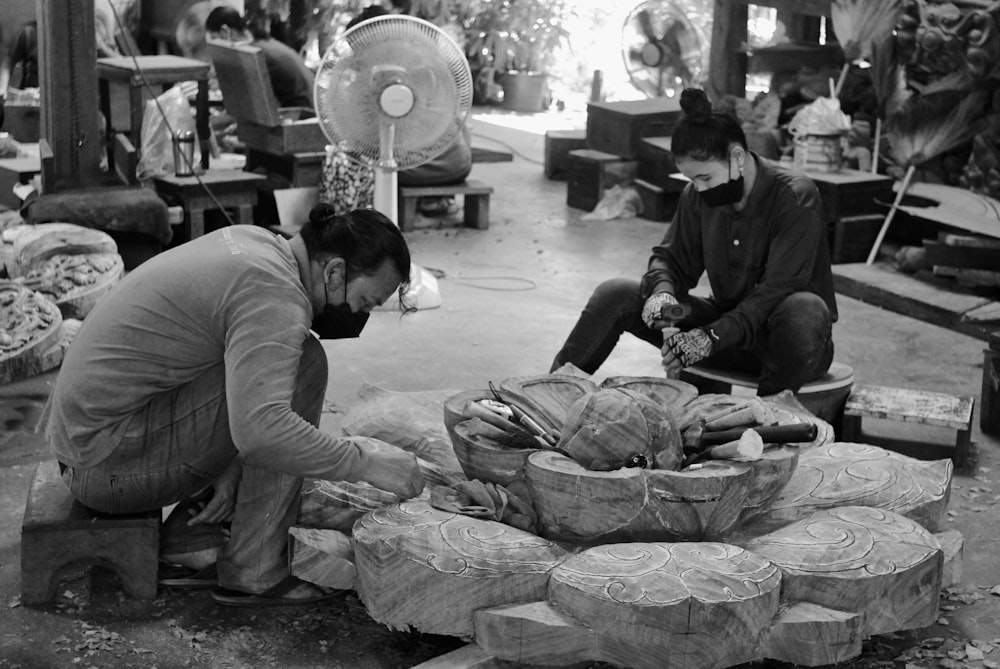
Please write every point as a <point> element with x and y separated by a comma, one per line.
<point>321,212</point>
<point>695,105</point>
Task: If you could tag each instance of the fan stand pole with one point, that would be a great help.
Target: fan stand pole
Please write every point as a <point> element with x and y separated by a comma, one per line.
<point>386,195</point>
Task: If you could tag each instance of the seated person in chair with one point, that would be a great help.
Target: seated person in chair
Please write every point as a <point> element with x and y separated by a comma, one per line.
<point>291,80</point>
<point>757,232</point>
<point>347,185</point>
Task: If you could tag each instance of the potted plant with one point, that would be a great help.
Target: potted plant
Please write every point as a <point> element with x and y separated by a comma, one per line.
<point>513,43</point>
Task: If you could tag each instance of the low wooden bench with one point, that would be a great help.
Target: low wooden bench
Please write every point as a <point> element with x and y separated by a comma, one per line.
<point>912,406</point>
<point>58,532</point>
<point>475,204</point>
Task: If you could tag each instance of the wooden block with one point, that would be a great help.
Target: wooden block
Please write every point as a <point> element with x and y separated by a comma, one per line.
<point>592,172</point>
<point>952,545</point>
<point>558,144</point>
<point>656,206</point>
<point>466,657</point>
<point>617,127</point>
<point>851,237</point>
<point>852,193</point>
<point>475,205</point>
<point>968,255</point>
<point>656,164</point>
<point>323,557</point>
<point>58,531</point>
<point>810,635</point>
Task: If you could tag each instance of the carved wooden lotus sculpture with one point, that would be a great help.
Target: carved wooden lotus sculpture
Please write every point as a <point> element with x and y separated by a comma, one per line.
<point>798,556</point>
<point>586,506</point>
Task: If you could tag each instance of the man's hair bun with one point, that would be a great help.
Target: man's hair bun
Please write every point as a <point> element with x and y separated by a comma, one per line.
<point>695,105</point>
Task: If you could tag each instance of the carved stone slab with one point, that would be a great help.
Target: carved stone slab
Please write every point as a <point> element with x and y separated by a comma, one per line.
<point>430,570</point>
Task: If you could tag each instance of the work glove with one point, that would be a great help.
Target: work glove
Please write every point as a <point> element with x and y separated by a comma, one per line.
<point>654,305</point>
<point>684,349</point>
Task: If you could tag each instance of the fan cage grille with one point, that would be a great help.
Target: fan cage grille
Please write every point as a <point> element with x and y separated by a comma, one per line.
<point>379,52</point>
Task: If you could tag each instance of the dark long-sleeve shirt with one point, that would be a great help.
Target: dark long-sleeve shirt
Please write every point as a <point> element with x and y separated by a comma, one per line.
<point>754,258</point>
<point>234,298</point>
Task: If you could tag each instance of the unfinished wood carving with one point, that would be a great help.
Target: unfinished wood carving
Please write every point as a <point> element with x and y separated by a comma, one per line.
<point>69,264</point>
<point>796,557</point>
<point>29,327</point>
<point>431,570</point>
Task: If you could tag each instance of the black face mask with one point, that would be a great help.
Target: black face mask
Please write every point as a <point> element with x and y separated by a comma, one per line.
<point>730,192</point>
<point>339,322</point>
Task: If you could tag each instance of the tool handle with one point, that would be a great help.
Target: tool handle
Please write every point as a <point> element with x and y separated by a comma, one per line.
<point>771,434</point>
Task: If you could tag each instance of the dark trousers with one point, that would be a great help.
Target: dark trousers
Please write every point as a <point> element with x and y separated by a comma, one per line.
<point>797,346</point>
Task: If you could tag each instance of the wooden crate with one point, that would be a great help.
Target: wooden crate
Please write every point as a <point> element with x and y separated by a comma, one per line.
<point>617,127</point>
<point>656,164</point>
<point>590,173</point>
<point>852,193</point>
<point>657,204</point>
<point>851,237</point>
<point>558,144</point>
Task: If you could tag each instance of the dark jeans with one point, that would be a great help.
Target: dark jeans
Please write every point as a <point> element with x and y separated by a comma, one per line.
<point>796,348</point>
<point>180,442</point>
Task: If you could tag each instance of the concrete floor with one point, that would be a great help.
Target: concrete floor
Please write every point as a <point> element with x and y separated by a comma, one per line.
<point>510,294</point>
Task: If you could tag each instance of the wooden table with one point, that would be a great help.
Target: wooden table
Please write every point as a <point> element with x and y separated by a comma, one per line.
<point>143,72</point>
<point>221,189</point>
<point>303,169</point>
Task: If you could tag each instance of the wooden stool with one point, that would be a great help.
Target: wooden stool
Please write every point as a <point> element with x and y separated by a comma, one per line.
<point>58,531</point>
<point>912,406</point>
<point>824,397</point>
<point>226,189</point>
<point>475,205</point>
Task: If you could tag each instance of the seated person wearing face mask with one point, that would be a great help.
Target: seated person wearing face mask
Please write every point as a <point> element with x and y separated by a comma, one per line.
<point>199,375</point>
<point>756,230</point>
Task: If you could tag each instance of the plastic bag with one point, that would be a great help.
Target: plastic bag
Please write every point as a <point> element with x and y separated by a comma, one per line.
<point>822,116</point>
<point>156,156</point>
<point>413,421</point>
<point>617,202</point>
<point>423,292</point>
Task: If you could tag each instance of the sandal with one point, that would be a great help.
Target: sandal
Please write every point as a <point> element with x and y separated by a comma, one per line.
<point>274,596</point>
<point>177,576</point>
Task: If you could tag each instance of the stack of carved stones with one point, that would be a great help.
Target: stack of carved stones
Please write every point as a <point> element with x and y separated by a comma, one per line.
<point>53,275</point>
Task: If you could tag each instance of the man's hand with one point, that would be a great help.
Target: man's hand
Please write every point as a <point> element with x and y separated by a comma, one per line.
<point>391,468</point>
<point>652,308</point>
<point>221,506</point>
<point>684,349</point>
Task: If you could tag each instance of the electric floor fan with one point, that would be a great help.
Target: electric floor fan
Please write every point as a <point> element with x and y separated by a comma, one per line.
<point>662,48</point>
<point>393,92</point>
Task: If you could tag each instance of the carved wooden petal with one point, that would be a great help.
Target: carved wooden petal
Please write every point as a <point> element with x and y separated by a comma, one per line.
<point>431,570</point>
<point>547,397</point>
<point>659,604</point>
<point>857,558</point>
<point>843,474</point>
<point>588,507</point>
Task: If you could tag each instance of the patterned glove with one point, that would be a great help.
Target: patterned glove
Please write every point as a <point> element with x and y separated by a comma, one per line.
<point>655,303</point>
<point>690,347</point>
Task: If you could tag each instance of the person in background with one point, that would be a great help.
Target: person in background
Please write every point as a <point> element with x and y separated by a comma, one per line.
<point>200,375</point>
<point>23,52</point>
<point>756,230</point>
<point>346,184</point>
<point>291,80</point>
